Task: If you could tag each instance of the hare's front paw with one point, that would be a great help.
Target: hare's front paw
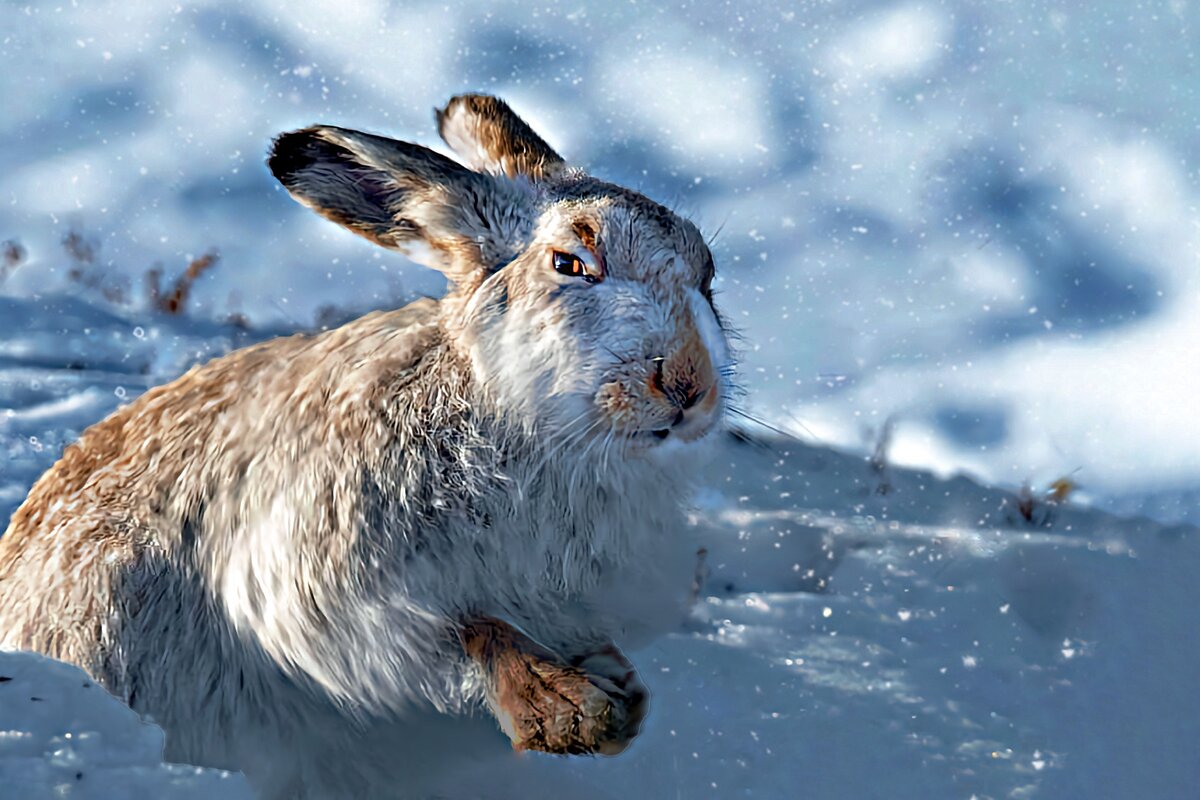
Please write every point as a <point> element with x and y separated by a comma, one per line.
<point>611,670</point>
<point>557,708</point>
<point>595,704</point>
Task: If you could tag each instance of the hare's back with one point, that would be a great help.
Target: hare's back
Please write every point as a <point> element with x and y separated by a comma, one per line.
<point>184,440</point>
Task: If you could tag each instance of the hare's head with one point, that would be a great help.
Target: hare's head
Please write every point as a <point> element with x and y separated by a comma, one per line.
<point>585,308</point>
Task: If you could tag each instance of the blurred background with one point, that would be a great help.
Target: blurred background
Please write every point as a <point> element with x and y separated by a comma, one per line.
<point>968,228</point>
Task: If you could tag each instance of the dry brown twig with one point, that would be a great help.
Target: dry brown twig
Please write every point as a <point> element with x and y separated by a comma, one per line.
<point>12,255</point>
<point>879,456</point>
<point>1039,508</point>
<point>175,301</point>
<point>699,577</point>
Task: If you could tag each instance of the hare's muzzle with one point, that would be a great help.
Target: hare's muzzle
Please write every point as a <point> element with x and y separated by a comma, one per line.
<point>675,396</point>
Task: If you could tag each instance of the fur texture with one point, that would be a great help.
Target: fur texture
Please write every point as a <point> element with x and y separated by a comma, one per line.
<point>310,559</point>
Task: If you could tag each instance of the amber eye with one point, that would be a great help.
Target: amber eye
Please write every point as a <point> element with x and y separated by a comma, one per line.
<point>572,265</point>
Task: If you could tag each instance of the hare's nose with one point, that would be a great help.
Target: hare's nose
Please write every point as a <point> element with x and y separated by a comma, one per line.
<point>692,397</point>
<point>681,381</point>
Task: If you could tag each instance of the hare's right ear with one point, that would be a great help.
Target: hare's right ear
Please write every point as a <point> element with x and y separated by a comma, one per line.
<point>401,196</point>
<point>490,137</point>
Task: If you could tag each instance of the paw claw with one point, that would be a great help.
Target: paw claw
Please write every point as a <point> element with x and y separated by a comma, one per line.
<point>564,709</point>
<point>594,705</point>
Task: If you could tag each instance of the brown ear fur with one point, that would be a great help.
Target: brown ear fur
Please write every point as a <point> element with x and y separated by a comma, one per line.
<point>398,195</point>
<point>490,137</point>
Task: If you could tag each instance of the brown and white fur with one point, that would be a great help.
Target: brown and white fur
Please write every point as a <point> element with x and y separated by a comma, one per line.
<point>312,559</point>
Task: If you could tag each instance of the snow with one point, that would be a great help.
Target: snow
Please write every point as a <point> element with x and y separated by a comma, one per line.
<point>860,632</point>
<point>62,736</point>
<point>975,220</point>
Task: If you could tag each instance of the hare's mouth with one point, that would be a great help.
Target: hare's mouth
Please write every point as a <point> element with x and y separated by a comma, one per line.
<point>683,429</point>
<point>694,420</point>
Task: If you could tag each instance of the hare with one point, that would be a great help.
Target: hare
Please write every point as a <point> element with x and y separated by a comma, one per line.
<point>314,559</point>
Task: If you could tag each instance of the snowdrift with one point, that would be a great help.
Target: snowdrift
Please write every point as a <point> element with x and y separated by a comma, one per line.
<point>860,631</point>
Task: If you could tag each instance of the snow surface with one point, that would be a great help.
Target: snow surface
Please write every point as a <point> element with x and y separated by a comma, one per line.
<point>975,219</point>
<point>62,736</point>
<point>861,632</point>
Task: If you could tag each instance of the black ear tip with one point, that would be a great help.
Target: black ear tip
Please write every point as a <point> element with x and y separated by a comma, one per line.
<point>292,152</point>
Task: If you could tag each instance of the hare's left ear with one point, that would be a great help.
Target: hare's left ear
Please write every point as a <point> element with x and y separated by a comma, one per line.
<point>404,197</point>
<point>491,138</point>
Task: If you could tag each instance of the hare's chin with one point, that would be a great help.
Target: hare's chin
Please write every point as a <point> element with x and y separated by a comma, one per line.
<point>677,453</point>
<point>689,436</point>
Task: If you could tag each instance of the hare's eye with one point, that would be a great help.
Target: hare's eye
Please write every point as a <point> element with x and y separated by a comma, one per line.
<point>572,265</point>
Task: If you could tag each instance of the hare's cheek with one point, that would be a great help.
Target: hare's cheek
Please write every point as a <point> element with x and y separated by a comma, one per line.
<point>632,408</point>
<point>627,408</point>
<point>615,401</point>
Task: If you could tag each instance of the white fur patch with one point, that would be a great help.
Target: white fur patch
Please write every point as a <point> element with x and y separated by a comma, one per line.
<point>459,134</point>
<point>710,330</point>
